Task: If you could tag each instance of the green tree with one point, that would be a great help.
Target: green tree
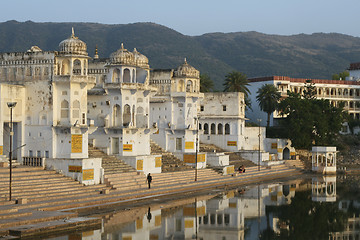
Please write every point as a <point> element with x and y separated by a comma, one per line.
<point>268,98</point>
<point>340,76</point>
<point>206,84</point>
<point>236,82</point>
<point>311,121</point>
<point>310,90</point>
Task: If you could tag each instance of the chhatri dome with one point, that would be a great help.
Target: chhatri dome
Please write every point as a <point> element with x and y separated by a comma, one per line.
<point>186,70</point>
<point>140,59</point>
<point>73,45</point>
<point>122,56</point>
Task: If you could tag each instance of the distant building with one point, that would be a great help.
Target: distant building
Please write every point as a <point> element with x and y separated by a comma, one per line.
<point>336,91</point>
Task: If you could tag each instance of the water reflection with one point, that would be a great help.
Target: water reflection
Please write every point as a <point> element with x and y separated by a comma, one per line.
<point>317,208</point>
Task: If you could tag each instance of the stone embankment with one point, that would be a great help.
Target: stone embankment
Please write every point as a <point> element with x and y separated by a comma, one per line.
<point>44,201</point>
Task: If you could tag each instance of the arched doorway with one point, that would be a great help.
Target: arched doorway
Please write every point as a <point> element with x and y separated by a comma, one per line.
<point>286,154</point>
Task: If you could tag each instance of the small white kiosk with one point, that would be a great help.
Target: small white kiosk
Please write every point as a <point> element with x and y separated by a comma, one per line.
<point>324,160</point>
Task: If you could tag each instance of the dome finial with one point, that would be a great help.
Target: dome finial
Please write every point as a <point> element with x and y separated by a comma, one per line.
<point>185,61</point>
<point>135,50</point>
<point>122,45</point>
<point>96,56</point>
<point>72,32</point>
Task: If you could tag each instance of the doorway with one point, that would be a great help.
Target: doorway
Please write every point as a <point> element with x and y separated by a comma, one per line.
<point>115,145</point>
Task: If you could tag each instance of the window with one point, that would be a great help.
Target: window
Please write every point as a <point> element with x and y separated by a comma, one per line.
<point>83,119</point>
<point>206,128</point>
<point>220,128</point>
<point>76,109</point>
<point>224,108</point>
<point>30,153</point>
<point>213,128</point>
<point>38,153</point>
<point>202,108</point>
<point>227,129</point>
<point>64,109</point>
<point>47,154</point>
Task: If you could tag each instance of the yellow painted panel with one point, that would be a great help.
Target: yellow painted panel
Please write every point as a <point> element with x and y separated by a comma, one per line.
<point>158,162</point>
<point>1,150</point>
<point>274,146</point>
<point>88,174</point>
<point>274,198</point>
<point>230,194</point>
<point>279,150</point>
<point>75,168</point>
<point>189,158</point>
<point>189,223</point>
<point>189,145</point>
<point>201,157</point>
<point>270,157</point>
<point>154,237</point>
<point>127,147</point>
<point>232,205</point>
<point>232,143</point>
<point>201,211</point>
<point>75,236</point>
<point>88,234</point>
<point>158,220</point>
<point>279,194</point>
<point>189,211</point>
<point>139,164</point>
<point>76,143</point>
<point>139,224</point>
<point>127,238</point>
<point>292,154</point>
<point>230,170</point>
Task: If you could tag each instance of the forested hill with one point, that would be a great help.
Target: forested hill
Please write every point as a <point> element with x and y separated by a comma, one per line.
<point>310,56</point>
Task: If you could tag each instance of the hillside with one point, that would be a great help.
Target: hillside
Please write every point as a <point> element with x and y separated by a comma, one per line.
<point>311,56</point>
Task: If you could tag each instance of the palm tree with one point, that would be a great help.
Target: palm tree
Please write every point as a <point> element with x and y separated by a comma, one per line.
<point>268,98</point>
<point>206,84</point>
<point>236,82</point>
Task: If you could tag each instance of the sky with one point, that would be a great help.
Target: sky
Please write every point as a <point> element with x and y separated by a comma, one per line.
<point>196,17</point>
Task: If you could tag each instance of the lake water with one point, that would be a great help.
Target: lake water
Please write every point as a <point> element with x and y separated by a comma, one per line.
<point>319,207</point>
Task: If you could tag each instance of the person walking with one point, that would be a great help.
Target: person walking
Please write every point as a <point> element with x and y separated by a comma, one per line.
<point>149,179</point>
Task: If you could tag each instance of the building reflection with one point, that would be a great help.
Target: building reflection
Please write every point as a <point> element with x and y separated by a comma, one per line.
<point>323,188</point>
<point>227,216</point>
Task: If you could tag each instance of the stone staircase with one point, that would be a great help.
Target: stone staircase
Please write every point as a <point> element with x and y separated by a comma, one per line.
<point>170,163</point>
<point>111,164</point>
<point>33,188</point>
<point>234,159</point>
<point>297,164</point>
<point>126,181</point>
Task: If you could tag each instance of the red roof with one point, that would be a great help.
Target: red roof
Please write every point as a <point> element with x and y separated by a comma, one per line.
<point>303,80</point>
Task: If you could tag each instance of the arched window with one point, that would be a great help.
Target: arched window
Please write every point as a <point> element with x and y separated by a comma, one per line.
<point>141,118</point>
<point>116,116</point>
<point>65,67</point>
<point>180,86</point>
<point>126,77</point>
<point>213,128</point>
<point>220,128</point>
<point>77,67</point>
<point>199,126</point>
<point>227,129</point>
<point>76,109</point>
<point>126,115</point>
<point>116,76</point>
<point>206,128</point>
<point>64,109</point>
<point>189,86</point>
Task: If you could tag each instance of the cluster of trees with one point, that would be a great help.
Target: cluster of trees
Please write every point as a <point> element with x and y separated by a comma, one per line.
<point>308,121</point>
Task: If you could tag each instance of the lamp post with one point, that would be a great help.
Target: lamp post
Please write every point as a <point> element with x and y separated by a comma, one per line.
<point>259,120</point>
<point>11,105</point>
<point>196,145</point>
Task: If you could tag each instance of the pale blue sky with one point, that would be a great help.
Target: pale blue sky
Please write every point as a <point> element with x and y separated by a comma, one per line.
<point>195,17</point>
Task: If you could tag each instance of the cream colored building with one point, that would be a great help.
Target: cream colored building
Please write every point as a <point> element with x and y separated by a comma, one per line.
<point>174,110</point>
<point>336,91</point>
